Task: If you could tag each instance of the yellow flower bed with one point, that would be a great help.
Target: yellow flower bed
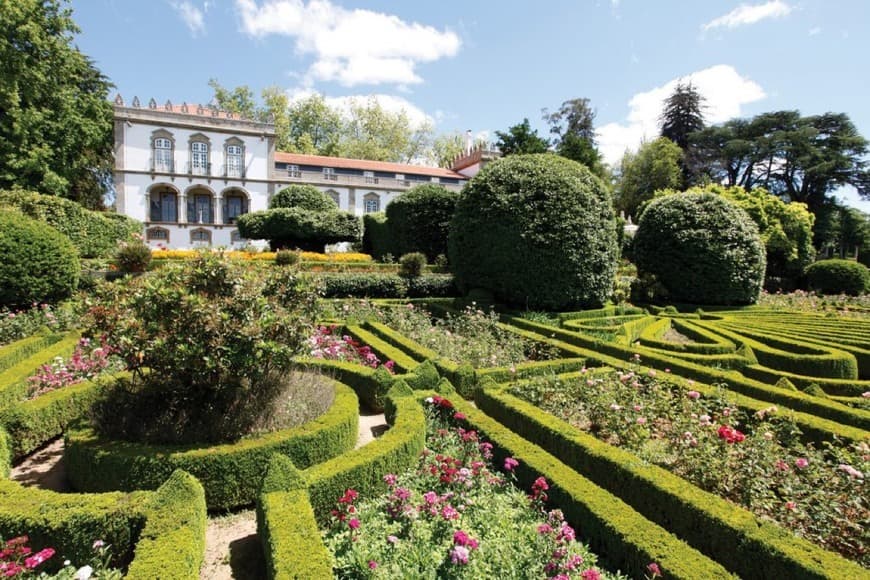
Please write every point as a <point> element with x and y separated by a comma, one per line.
<point>342,257</point>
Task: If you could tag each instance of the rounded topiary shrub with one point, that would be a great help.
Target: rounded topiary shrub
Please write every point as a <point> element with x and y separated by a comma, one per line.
<point>305,197</point>
<point>839,277</point>
<point>702,248</point>
<point>412,265</point>
<point>38,264</point>
<point>419,220</point>
<point>536,231</point>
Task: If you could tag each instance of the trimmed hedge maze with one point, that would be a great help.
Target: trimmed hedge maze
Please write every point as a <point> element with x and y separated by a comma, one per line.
<point>150,502</point>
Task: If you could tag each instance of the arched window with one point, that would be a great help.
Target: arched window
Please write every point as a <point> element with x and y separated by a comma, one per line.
<point>164,205</point>
<point>157,235</point>
<point>234,155</point>
<point>200,164</point>
<point>200,207</point>
<point>200,237</point>
<point>371,203</point>
<point>162,151</point>
<point>235,204</point>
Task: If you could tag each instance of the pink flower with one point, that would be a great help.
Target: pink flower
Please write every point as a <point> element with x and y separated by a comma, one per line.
<point>459,416</point>
<point>459,555</point>
<point>100,543</point>
<point>654,569</point>
<point>730,434</point>
<point>544,529</point>
<point>38,558</point>
<point>353,523</point>
<point>694,395</point>
<point>372,564</point>
<point>590,574</point>
<point>430,497</point>
<point>390,479</point>
<point>510,463</point>
<point>448,512</point>
<point>392,539</point>
<point>790,506</point>
<point>801,462</point>
<point>851,471</point>
<point>641,420</point>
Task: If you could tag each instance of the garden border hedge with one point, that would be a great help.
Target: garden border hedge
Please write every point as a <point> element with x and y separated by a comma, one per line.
<point>13,380</point>
<point>230,473</point>
<point>14,352</point>
<point>747,545</point>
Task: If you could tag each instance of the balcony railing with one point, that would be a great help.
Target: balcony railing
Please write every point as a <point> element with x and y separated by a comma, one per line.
<point>234,171</point>
<point>318,177</point>
<point>162,166</point>
<point>199,169</point>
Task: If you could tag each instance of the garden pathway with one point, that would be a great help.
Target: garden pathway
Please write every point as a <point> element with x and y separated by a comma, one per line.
<point>232,549</point>
<point>43,469</point>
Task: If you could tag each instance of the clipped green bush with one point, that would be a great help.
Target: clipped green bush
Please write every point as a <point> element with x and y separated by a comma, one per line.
<point>411,265</point>
<point>286,258</point>
<point>364,285</point>
<point>294,227</point>
<point>702,248</point>
<point>537,231</point>
<point>305,197</point>
<point>377,240</point>
<point>419,219</point>
<point>133,256</point>
<point>94,234</point>
<point>839,277</point>
<point>39,264</point>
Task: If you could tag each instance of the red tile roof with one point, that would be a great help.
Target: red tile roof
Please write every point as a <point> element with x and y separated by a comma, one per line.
<point>365,165</point>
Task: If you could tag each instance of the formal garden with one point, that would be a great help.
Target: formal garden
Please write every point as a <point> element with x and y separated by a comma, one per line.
<point>558,399</point>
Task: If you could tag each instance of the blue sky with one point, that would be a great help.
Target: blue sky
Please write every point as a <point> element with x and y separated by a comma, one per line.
<point>485,65</point>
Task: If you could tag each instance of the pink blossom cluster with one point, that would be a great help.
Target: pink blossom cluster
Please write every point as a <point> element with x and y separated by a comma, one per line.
<point>562,563</point>
<point>85,363</point>
<point>326,344</point>
<point>17,559</point>
<point>730,434</point>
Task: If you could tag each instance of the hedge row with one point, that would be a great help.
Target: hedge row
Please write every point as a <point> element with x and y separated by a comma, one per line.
<point>612,310</point>
<point>621,536</point>
<point>5,454</point>
<point>15,352</point>
<point>819,419</point>
<point>748,546</point>
<point>829,387</point>
<point>703,341</point>
<point>13,380</point>
<point>230,473</point>
<point>386,286</point>
<point>793,356</point>
<point>403,362</point>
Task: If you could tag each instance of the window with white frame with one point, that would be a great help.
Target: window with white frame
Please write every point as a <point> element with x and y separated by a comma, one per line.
<point>162,155</point>
<point>329,174</point>
<point>164,206</point>
<point>293,171</point>
<point>436,180</point>
<point>235,161</point>
<point>371,203</point>
<point>199,164</point>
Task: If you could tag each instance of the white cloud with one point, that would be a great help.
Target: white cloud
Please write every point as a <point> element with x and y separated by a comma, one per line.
<point>193,17</point>
<point>722,87</point>
<point>749,14</point>
<point>814,31</point>
<point>351,47</point>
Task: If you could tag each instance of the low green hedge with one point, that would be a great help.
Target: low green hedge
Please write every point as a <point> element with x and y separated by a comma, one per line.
<point>818,419</point>
<point>403,362</point>
<point>612,310</point>
<point>171,545</point>
<point>370,385</point>
<point>5,454</point>
<point>287,527</point>
<point>832,387</point>
<point>622,537</point>
<point>15,352</point>
<point>703,342</point>
<point>748,546</point>
<point>230,473</point>
<point>13,380</point>
<point>386,286</point>
<point>34,422</point>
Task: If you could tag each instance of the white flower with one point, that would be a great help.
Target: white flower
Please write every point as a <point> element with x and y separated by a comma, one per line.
<point>84,573</point>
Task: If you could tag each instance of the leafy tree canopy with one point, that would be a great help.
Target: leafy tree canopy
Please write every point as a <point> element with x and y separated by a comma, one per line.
<point>683,114</point>
<point>55,117</point>
<point>573,126</point>
<point>521,139</point>
<point>655,166</point>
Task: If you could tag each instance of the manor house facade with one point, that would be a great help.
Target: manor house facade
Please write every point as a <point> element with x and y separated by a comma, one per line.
<point>188,171</point>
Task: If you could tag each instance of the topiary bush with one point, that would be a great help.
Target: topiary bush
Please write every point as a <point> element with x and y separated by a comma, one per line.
<point>38,264</point>
<point>94,234</point>
<point>702,248</point>
<point>133,256</point>
<point>839,277</point>
<point>419,220</point>
<point>287,258</point>
<point>305,197</point>
<point>538,232</point>
<point>412,265</point>
<point>377,241</point>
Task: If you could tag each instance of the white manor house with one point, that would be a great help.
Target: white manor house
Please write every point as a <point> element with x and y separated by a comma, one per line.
<point>188,171</point>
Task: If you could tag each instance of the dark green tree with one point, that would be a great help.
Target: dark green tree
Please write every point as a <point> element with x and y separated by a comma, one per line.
<point>655,167</point>
<point>573,127</point>
<point>683,114</point>
<point>520,139</point>
<point>55,118</point>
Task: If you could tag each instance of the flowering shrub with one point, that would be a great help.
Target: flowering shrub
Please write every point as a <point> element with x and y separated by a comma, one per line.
<point>756,461</point>
<point>17,560</point>
<point>455,516</point>
<point>810,302</point>
<point>86,362</point>
<point>17,324</point>
<point>328,344</point>
<point>470,336</point>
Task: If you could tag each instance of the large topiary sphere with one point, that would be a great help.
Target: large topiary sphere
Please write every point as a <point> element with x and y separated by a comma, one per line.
<point>305,197</point>
<point>537,231</point>
<point>39,264</point>
<point>419,220</point>
<point>702,248</point>
<point>839,277</point>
